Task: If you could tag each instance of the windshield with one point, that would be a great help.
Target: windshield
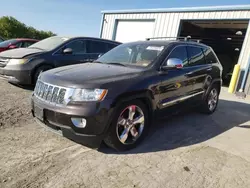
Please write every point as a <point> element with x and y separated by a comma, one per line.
<point>49,43</point>
<point>6,43</point>
<point>133,53</point>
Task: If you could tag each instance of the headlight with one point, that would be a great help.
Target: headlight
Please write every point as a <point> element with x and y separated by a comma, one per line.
<point>89,94</point>
<point>17,61</point>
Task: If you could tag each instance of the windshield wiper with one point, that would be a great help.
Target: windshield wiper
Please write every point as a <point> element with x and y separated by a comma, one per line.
<point>117,64</point>
<point>97,62</point>
<point>36,48</point>
<point>110,63</point>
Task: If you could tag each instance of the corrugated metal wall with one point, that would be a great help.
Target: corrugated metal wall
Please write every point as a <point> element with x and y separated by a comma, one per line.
<point>167,24</point>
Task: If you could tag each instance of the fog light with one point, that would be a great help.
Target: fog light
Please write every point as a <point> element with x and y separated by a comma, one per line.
<point>79,122</point>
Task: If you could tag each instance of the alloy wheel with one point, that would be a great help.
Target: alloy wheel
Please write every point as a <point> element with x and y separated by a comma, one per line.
<point>130,124</point>
<point>212,99</point>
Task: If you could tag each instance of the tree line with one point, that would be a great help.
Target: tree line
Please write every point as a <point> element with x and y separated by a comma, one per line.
<point>12,28</point>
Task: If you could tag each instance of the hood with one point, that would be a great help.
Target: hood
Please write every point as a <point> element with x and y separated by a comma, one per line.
<point>20,52</point>
<point>88,74</point>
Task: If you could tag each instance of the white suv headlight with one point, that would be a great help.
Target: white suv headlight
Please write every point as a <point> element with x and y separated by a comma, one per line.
<point>89,94</point>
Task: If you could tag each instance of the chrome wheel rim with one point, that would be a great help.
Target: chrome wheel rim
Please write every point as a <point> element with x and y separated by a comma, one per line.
<point>212,99</point>
<point>130,124</point>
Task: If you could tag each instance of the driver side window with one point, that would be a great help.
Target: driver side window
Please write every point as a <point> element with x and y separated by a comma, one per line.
<point>179,52</point>
<point>77,46</point>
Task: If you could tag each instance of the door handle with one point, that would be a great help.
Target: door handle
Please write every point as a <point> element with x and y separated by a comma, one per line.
<point>189,74</point>
<point>209,69</point>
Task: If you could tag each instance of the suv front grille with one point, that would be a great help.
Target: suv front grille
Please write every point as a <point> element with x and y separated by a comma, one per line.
<point>3,61</point>
<point>52,94</point>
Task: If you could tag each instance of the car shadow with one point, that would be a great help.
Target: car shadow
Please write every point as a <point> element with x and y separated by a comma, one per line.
<point>26,87</point>
<point>189,128</point>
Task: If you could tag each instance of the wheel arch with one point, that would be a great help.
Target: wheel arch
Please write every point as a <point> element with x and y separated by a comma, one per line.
<point>146,96</point>
<point>215,82</point>
<point>37,67</point>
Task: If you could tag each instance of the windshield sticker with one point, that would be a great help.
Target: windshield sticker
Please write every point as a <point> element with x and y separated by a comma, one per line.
<point>157,48</point>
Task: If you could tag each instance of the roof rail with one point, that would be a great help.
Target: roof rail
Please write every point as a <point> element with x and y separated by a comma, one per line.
<point>187,38</point>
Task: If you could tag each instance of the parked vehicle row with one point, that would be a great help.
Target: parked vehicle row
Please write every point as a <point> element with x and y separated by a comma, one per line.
<point>16,43</point>
<point>23,65</point>
<point>103,91</point>
<point>116,97</point>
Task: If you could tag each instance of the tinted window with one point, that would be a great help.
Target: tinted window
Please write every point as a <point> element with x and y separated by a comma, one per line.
<point>96,47</point>
<point>18,44</point>
<point>26,44</point>
<point>110,46</point>
<point>180,52</point>
<point>210,57</point>
<point>196,56</point>
<point>78,47</point>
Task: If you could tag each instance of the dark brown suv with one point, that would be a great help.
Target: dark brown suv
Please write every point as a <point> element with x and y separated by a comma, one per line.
<point>115,98</point>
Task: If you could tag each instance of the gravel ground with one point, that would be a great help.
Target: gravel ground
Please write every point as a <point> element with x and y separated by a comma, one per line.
<point>191,150</point>
<point>14,106</point>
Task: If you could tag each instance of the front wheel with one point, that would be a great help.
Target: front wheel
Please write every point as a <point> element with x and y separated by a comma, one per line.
<point>129,126</point>
<point>40,70</point>
<point>210,102</point>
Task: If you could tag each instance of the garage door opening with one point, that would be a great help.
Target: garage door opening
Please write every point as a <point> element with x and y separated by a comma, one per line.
<point>224,36</point>
<point>133,30</point>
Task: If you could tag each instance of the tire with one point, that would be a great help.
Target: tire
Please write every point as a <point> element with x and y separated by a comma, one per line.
<point>135,133</point>
<point>210,101</point>
<point>39,70</point>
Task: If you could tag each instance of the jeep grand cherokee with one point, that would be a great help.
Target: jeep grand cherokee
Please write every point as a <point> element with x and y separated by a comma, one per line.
<point>115,98</point>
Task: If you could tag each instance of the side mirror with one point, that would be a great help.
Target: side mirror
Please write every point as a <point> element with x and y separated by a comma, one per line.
<point>173,63</point>
<point>12,46</point>
<point>67,51</point>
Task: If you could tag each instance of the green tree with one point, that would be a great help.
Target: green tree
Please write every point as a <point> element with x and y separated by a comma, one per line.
<point>12,28</point>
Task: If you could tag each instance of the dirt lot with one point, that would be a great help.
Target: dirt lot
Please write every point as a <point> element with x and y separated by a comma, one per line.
<point>191,150</point>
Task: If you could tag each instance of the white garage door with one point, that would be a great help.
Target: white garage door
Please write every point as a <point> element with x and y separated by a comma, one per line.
<point>128,31</point>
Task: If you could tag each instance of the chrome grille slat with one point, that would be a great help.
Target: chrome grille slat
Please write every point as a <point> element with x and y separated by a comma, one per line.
<point>55,94</point>
<point>45,92</point>
<point>3,61</point>
<point>51,94</point>
<point>41,90</point>
<point>61,96</point>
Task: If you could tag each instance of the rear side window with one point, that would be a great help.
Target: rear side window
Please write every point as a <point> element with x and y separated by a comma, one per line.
<point>196,56</point>
<point>210,57</point>
<point>99,47</point>
<point>180,52</point>
<point>96,47</point>
<point>111,46</point>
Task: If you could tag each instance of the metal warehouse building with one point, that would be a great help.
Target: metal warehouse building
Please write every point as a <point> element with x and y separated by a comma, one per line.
<point>225,28</point>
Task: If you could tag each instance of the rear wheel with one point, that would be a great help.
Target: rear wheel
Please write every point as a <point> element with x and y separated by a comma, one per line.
<point>129,126</point>
<point>39,70</point>
<point>210,102</point>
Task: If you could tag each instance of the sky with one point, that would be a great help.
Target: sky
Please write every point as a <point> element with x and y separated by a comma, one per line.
<point>83,17</point>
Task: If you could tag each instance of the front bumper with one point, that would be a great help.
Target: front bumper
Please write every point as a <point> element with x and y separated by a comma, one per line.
<point>15,74</point>
<point>58,119</point>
